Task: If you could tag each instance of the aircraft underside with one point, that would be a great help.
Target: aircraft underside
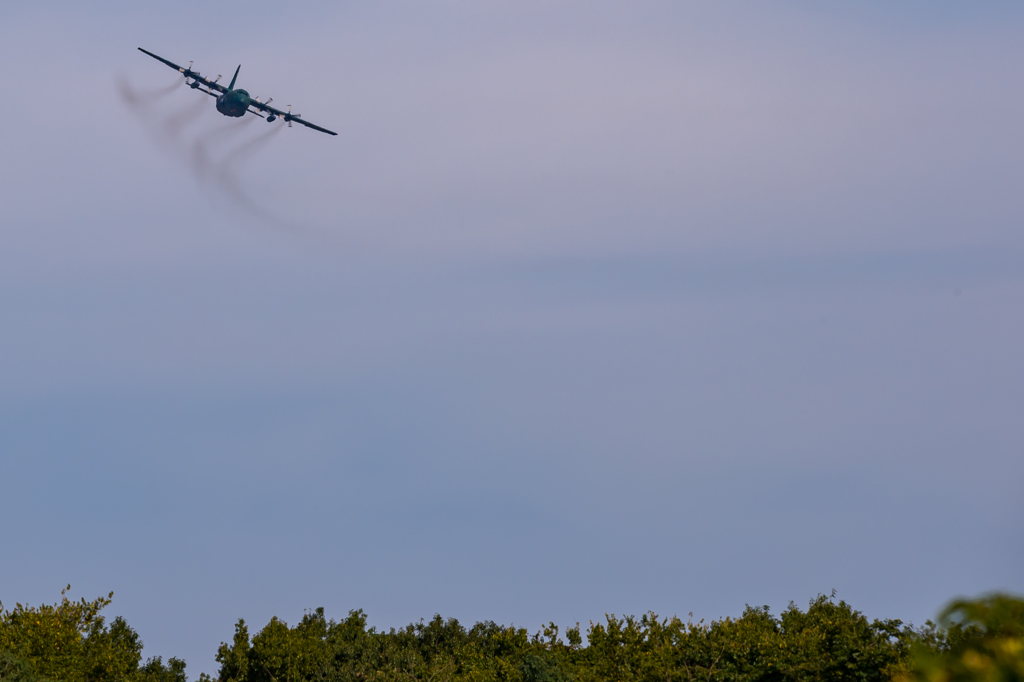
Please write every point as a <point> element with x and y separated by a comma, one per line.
<point>234,103</point>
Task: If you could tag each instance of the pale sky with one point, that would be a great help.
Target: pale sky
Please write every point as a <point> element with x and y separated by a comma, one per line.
<point>590,307</point>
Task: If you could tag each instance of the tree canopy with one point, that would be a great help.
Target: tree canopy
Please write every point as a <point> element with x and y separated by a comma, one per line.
<point>71,642</point>
<point>978,640</point>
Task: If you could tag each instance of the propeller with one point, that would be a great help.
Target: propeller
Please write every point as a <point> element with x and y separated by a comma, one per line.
<point>289,116</point>
<point>194,74</point>
<point>270,114</point>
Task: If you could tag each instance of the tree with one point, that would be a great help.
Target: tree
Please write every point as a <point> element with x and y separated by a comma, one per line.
<point>979,640</point>
<point>71,642</point>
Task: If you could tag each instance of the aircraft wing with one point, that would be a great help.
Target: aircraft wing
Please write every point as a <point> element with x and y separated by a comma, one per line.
<point>288,116</point>
<point>212,86</point>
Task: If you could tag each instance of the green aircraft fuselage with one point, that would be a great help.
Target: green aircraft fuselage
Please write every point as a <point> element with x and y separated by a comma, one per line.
<point>233,102</point>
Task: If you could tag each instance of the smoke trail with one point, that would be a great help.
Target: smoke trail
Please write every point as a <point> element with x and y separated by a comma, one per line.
<point>165,127</point>
<point>175,123</point>
<point>142,97</point>
<point>249,147</point>
<point>199,152</point>
<point>225,174</point>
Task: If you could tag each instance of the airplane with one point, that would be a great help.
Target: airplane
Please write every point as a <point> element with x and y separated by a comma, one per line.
<point>237,103</point>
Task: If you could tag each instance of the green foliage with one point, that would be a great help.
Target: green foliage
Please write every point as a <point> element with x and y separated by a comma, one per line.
<point>975,641</point>
<point>829,641</point>
<point>980,640</point>
<point>71,642</point>
<point>14,669</point>
<point>155,671</point>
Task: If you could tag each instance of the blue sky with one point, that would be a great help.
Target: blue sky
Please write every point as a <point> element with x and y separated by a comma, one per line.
<point>588,308</point>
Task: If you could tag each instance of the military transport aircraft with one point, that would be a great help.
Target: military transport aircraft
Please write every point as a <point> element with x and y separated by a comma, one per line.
<point>231,102</point>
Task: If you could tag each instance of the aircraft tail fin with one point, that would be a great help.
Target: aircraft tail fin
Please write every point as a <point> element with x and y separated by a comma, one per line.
<point>233,78</point>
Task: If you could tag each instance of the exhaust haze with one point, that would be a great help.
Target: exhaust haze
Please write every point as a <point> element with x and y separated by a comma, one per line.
<point>202,147</point>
